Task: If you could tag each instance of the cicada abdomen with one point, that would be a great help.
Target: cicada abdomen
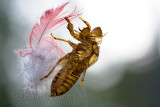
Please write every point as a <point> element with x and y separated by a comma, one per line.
<point>65,79</point>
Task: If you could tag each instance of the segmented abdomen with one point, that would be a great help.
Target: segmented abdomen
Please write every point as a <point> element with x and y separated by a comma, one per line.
<point>65,79</point>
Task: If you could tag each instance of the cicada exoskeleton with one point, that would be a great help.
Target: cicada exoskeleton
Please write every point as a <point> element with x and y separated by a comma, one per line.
<point>83,55</point>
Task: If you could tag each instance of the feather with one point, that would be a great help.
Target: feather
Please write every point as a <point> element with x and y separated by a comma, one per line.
<point>42,52</point>
<point>48,22</point>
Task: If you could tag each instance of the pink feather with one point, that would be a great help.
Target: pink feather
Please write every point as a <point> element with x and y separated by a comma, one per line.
<point>48,22</point>
<point>42,52</point>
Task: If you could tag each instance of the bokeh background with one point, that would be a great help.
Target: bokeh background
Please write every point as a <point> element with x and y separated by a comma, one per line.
<point>127,73</point>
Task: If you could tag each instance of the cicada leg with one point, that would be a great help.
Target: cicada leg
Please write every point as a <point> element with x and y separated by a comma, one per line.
<point>70,28</point>
<point>86,23</point>
<point>77,32</point>
<point>73,45</point>
<point>60,61</point>
<point>59,38</point>
<point>82,80</point>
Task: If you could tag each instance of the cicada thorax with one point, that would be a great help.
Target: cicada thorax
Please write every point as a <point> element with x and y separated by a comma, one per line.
<point>81,52</point>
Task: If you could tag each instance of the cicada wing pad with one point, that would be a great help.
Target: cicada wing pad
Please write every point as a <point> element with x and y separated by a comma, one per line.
<point>93,60</point>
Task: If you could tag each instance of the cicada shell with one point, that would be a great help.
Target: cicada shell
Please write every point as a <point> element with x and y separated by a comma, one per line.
<point>83,56</point>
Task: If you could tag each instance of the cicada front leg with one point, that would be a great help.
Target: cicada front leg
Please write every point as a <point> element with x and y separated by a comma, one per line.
<point>70,28</point>
<point>86,23</point>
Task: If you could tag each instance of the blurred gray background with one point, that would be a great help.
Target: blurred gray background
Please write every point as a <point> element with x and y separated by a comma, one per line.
<point>127,73</point>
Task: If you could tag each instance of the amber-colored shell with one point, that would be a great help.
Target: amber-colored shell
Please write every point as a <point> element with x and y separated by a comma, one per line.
<point>83,55</point>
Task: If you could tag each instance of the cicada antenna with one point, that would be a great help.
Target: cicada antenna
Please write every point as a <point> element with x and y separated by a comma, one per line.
<point>104,34</point>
